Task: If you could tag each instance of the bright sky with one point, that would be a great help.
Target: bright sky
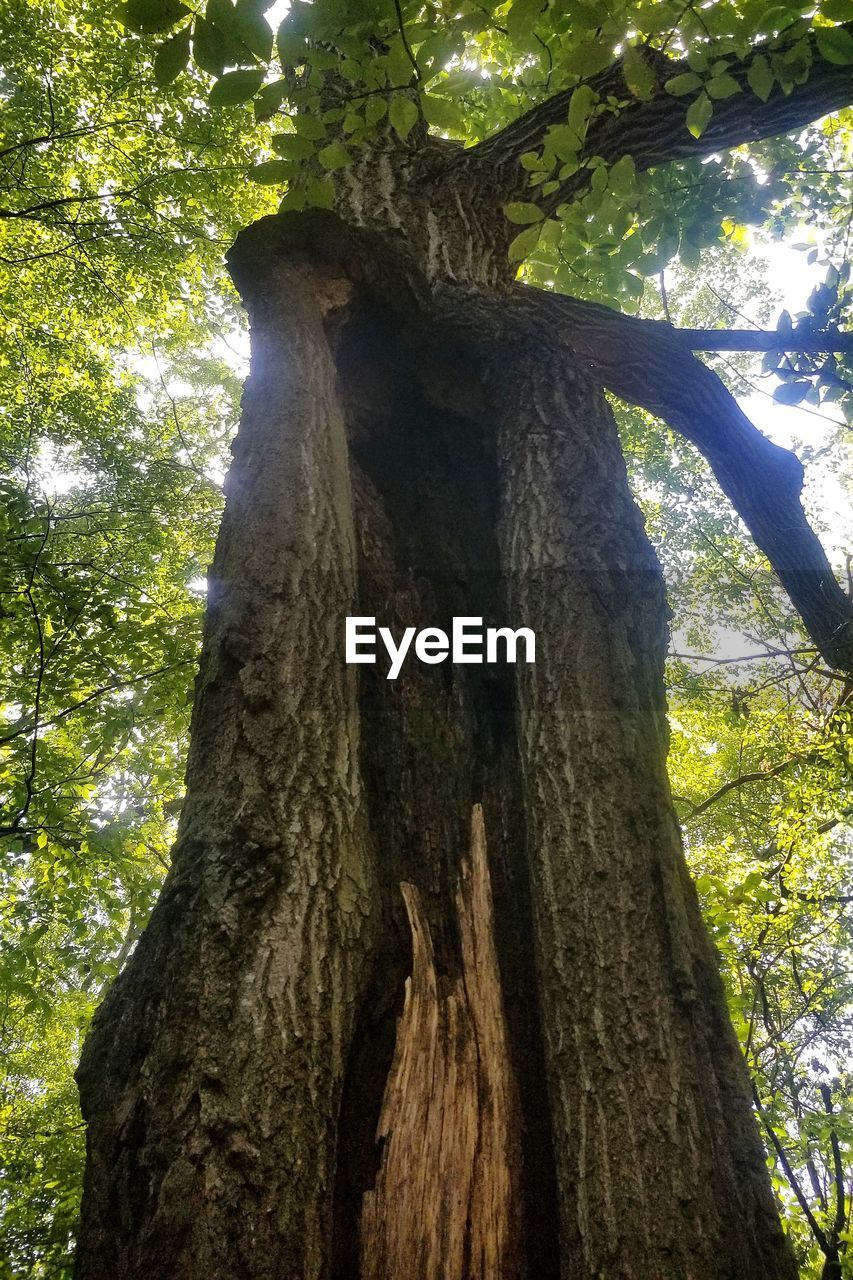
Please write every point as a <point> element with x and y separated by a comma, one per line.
<point>795,426</point>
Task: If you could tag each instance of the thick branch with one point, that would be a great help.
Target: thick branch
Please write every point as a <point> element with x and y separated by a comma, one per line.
<point>654,132</point>
<point>650,364</point>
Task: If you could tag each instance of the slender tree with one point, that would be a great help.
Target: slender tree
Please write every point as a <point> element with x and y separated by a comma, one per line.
<point>427,991</point>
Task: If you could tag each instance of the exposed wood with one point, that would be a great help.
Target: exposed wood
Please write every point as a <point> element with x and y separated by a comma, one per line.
<point>446,1203</point>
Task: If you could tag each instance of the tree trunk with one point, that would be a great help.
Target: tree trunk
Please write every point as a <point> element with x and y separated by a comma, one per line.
<point>660,1169</point>
<point>427,993</point>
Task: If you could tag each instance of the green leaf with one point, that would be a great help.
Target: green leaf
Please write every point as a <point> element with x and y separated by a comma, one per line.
<point>293,200</point>
<point>292,146</point>
<point>623,175</point>
<point>152,15</point>
<point>551,233</point>
<point>522,16</point>
<point>589,58</point>
<point>270,99</point>
<point>320,193</point>
<point>172,57</point>
<point>290,45</point>
<point>685,83</point>
<point>309,127</point>
<point>403,114</point>
<point>563,141</point>
<point>722,86</point>
<point>580,106</point>
<point>235,87</point>
<point>639,76</point>
<point>791,392</point>
<point>211,50</point>
<point>523,212</point>
<point>835,44</point>
<point>699,115</point>
<point>375,110</point>
<point>532,161</point>
<point>760,77</point>
<point>253,29</point>
<point>397,63</point>
<point>524,243</point>
<point>271,172</point>
<point>441,113</point>
<point>436,51</point>
<point>334,156</point>
<point>837,10</point>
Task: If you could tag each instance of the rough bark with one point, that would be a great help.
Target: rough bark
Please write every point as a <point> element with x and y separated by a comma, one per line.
<point>812,342</point>
<point>660,1169</point>
<point>211,1078</point>
<point>234,1080</point>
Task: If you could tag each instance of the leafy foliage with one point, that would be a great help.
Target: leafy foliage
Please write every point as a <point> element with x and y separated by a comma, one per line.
<point>127,143</point>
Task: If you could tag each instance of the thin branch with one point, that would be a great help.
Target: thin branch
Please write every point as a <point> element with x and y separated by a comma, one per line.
<point>817,1230</point>
<point>401,24</point>
<point>758,775</point>
<point>763,340</point>
<point>101,692</point>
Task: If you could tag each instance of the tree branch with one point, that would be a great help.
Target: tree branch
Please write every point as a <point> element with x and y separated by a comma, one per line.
<point>650,364</point>
<point>758,775</point>
<point>654,132</point>
<point>817,1231</point>
<point>766,340</point>
<point>645,362</point>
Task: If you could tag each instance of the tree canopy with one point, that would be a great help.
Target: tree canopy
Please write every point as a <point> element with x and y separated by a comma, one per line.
<point>641,156</point>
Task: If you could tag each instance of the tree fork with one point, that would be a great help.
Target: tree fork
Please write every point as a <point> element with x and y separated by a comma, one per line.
<point>645,362</point>
<point>391,470</point>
